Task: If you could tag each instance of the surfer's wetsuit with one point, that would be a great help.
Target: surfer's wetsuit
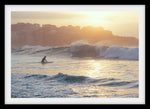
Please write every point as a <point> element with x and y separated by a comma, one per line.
<point>44,60</point>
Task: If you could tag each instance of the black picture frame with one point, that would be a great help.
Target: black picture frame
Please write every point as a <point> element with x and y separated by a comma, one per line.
<point>146,3</point>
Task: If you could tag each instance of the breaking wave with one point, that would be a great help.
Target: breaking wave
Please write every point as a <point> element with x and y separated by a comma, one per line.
<point>40,50</point>
<point>82,49</point>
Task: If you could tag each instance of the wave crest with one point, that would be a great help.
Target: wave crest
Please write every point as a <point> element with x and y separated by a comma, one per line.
<point>73,79</point>
<point>82,49</point>
<point>60,77</point>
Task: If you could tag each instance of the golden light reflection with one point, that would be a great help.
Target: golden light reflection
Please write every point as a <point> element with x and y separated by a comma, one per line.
<point>95,68</point>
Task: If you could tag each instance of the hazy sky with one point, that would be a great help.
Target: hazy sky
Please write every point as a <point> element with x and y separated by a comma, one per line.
<point>124,23</point>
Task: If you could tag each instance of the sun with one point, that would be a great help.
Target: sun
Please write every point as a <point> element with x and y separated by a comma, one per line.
<point>95,18</point>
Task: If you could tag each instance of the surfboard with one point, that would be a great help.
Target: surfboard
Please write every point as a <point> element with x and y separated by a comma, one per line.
<point>47,62</point>
<point>39,62</point>
<point>50,62</point>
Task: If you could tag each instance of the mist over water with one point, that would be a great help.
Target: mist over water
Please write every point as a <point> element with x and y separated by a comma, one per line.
<point>50,35</point>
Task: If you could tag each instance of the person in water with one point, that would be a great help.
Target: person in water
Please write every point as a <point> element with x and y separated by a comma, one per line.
<point>44,60</point>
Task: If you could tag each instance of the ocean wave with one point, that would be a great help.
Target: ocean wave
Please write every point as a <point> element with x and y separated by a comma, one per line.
<point>72,79</point>
<point>60,77</point>
<point>40,50</point>
<point>64,78</point>
<point>82,49</point>
<point>113,84</point>
<point>65,85</point>
<point>82,80</point>
<point>134,86</point>
<point>36,76</point>
<point>69,78</point>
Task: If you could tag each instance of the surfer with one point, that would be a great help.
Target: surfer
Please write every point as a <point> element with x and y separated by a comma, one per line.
<point>44,60</point>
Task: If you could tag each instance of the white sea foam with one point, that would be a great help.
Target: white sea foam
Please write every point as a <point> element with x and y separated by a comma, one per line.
<point>83,49</point>
<point>118,52</point>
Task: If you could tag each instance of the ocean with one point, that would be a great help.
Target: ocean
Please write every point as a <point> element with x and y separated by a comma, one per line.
<point>76,71</point>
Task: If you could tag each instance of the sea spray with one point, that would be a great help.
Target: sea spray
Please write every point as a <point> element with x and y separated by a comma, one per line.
<point>82,49</point>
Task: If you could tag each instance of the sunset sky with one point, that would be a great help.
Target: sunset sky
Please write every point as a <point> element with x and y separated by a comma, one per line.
<point>124,23</point>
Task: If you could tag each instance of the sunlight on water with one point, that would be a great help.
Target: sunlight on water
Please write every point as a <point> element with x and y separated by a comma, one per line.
<point>73,77</point>
<point>105,92</point>
<point>95,67</point>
